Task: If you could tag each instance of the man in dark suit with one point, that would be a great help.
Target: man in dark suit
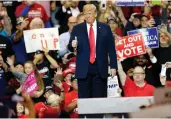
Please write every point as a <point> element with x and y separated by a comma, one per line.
<point>93,41</point>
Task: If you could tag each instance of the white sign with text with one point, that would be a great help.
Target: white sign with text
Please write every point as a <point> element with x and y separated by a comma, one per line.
<point>37,39</point>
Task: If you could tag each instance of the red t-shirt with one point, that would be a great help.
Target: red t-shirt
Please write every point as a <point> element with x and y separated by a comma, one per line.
<point>46,111</point>
<point>23,116</point>
<point>118,31</point>
<point>69,98</point>
<point>131,90</point>
<point>36,10</point>
<point>66,87</point>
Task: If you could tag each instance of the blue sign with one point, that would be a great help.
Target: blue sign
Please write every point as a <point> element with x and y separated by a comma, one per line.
<point>130,2</point>
<point>150,36</point>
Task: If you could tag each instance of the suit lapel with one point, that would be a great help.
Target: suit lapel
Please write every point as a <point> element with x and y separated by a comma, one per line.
<point>86,32</point>
<point>98,34</point>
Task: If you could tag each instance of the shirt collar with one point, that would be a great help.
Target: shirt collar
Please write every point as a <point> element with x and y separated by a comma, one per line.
<point>94,23</point>
<point>143,86</point>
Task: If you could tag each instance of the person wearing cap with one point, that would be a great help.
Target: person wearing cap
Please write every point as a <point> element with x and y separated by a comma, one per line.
<point>53,106</point>
<point>114,27</point>
<point>50,109</point>
<point>133,23</point>
<point>45,67</point>
<point>31,9</point>
<point>67,74</point>
<point>19,67</point>
<point>17,40</point>
<point>71,99</point>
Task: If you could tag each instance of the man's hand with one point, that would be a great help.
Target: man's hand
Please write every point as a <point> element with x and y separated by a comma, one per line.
<point>150,52</point>
<point>163,28</point>
<point>113,72</point>
<point>75,42</point>
<point>132,17</point>
<point>163,80</point>
<point>10,61</point>
<point>46,51</point>
<point>151,22</point>
<point>59,71</point>
<point>168,64</point>
<point>24,24</point>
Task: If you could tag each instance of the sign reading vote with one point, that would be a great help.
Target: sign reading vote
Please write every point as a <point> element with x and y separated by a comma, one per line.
<point>130,2</point>
<point>37,39</point>
<point>130,46</point>
<point>150,36</point>
<point>30,84</point>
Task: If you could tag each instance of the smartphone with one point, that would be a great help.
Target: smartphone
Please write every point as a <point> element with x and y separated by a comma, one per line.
<point>163,70</point>
<point>103,4</point>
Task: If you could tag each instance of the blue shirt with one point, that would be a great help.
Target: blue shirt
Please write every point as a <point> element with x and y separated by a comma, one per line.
<point>19,49</point>
<point>3,33</point>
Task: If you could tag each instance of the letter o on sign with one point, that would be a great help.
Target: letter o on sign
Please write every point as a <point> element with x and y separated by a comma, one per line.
<point>130,39</point>
<point>127,52</point>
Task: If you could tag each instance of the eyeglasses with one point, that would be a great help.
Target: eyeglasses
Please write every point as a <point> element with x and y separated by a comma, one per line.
<point>138,73</point>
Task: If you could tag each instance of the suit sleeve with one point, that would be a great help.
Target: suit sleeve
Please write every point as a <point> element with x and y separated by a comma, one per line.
<point>111,50</point>
<point>73,34</point>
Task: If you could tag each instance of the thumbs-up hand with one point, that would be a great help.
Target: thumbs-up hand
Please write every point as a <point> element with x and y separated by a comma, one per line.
<point>75,42</point>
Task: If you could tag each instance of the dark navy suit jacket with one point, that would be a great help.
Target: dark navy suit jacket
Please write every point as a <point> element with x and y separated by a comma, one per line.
<point>104,47</point>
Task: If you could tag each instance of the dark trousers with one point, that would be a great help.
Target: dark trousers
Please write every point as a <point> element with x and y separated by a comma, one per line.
<point>93,86</point>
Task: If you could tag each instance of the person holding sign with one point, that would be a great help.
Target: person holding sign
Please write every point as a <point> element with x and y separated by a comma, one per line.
<point>137,87</point>
<point>45,67</point>
<point>29,67</point>
<point>93,41</point>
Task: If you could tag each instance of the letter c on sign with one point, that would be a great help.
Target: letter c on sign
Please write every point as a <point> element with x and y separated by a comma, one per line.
<point>34,36</point>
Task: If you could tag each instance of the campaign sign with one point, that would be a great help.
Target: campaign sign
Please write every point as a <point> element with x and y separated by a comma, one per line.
<point>37,39</point>
<point>130,2</point>
<point>113,87</point>
<point>30,84</point>
<point>150,36</point>
<point>130,46</point>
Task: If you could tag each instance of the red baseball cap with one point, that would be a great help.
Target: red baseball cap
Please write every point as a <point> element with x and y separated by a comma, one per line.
<point>68,71</point>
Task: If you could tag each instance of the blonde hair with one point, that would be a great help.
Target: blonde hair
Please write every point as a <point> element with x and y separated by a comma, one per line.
<point>53,100</point>
<point>89,7</point>
<point>35,21</point>
<point>38,77</point>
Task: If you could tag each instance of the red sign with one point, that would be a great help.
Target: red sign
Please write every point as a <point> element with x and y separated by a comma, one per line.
<point>130,46</point>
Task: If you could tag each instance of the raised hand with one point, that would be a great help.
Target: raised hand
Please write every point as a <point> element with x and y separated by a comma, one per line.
<point>10,61</point>
<point>59,71</point>
<point>75,42</point>
<point>46,51</point>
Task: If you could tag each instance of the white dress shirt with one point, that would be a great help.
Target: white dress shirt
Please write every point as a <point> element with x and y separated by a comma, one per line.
<point>64,41</point>
<point>95,32</point>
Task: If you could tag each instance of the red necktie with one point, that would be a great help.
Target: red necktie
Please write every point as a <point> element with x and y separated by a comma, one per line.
<point>92,44</point>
